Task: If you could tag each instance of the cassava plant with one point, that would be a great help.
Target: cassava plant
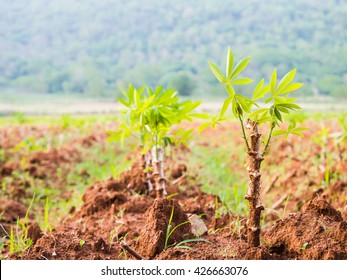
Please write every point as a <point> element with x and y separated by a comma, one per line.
<point>278,103</point>
<point>151,116</point>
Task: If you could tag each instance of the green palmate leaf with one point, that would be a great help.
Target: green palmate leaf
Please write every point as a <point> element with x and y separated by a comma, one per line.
<point>300,128</point>
<point>279,132</point>
<point>282,109</point>
<point>257,89</point>
<point>278,114</point>
<point>286,80</point>
<point>199,115</point>
<point>244,102</point>
<point>130,94</point>
<point>240,67</point>
<point>229,64</point>
<point>296,133</point>
<point>261,93</point>
<point>146,104</point>
<point>149,91</point>
<point>284,99</point>
<point>218,74</point>
<point>264,119</point>
<point>137,98</point>
<point>241,81</point>
<point>202,127</point>
<point>189,106</point>
<point>236,108</point>
<point>291,88</point>
<point>273,82</point>
<point>290,106</point>
<point>268,100</point>
<point>141,89</point>
<point>257,113</point>
<point>125,103</point>
<point>159,89</point>
<point>225,106</point>
<point>131,89</point>
<point>230,90</point>
<point>290,100</point>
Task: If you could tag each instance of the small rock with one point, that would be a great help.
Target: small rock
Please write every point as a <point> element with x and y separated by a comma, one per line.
<point>198,226</point>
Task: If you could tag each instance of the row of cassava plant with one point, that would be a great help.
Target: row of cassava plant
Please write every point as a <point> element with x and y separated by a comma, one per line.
<point>150,117</point>
<point>152,114</point>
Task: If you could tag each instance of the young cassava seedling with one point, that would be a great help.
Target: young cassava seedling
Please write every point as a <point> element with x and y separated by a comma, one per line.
<point>276,95</point>
<point>150,117</point>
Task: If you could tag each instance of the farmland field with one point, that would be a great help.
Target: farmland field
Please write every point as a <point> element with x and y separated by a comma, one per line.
<point>67,193</point>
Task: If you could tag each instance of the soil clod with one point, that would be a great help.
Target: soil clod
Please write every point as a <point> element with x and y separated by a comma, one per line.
<point>152,237</point>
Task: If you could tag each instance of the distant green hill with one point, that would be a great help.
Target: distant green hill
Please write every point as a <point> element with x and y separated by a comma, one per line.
<point>93,47</point>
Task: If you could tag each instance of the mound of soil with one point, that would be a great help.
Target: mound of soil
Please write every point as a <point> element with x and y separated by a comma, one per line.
<point>11,211</point>
<point>153,235</point>
<point>318,232</point>
<point>134,178</point>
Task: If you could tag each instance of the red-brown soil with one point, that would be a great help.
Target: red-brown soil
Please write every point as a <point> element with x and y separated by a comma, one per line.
<point>111,212</point>
<point>118,210</point>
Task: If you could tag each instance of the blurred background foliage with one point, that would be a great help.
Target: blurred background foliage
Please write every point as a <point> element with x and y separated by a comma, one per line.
<point>93,48</point>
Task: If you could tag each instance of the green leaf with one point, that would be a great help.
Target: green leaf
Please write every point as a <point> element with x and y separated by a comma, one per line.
<point>147,103</point>
<point>289,106</point>
<point>278,114</point>
<point>279,132</point>
<point>291,88</point>
<point>264,119</point>
<point>225,106</point>
<point>296,133</point>
<point>286,80</point>
<point>282,109</point>
<point>202,127</point>
<point>199,115</point>
<point>241,81</point>
<point>240,67</point>
<point>257,88</point>
<point>230,90</point>
<point>244,102</point>
<point>260,91</point>
<point>273,82</point>
<point>137,99</point>
<point>264,91</point>
<point>218,74</point>
<point>299,129</point>
<point>268,100</point>
<point>235,108</point>
<point>258,112</point>
<point>121,100</point>
<point>229,64</point>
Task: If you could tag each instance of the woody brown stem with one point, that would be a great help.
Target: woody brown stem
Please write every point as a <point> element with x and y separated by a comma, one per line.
<point>158,172</point>
<point>147,168</point>
<point>253,195</point>
<point>146,164</point>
